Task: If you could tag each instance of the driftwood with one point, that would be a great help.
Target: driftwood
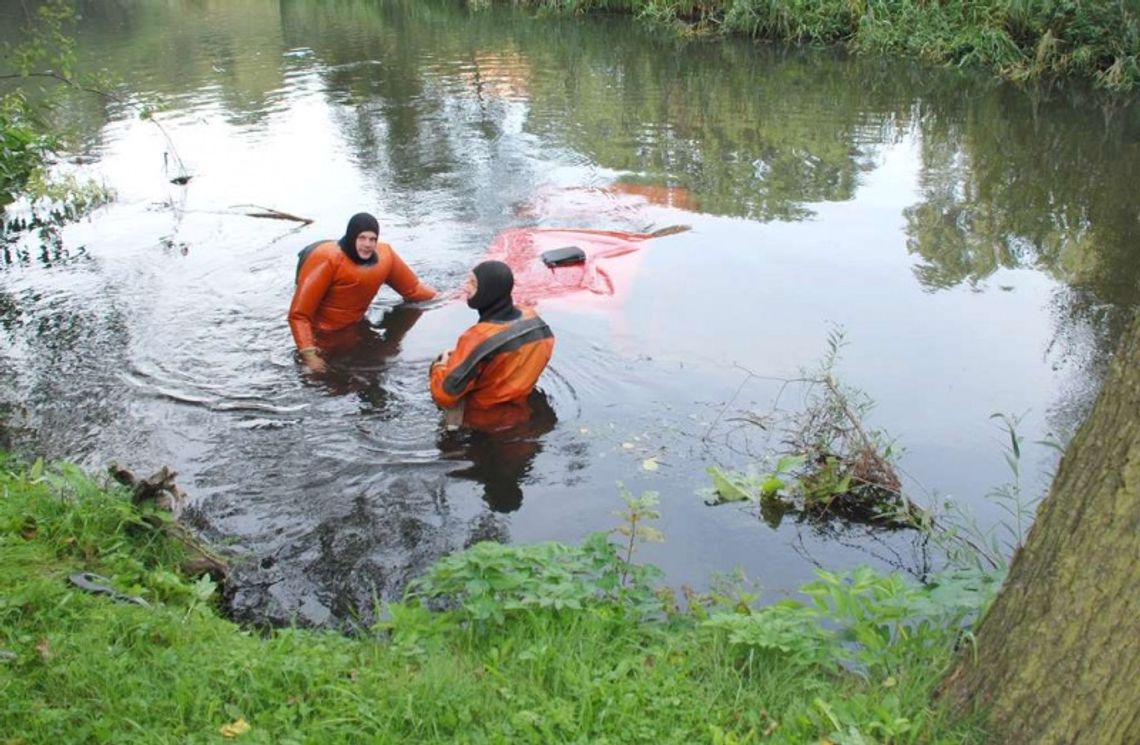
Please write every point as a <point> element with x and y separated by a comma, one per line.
<point>158,488</point>
<point>670,230</point>
<point>161,490</point>
<point>272,214</point>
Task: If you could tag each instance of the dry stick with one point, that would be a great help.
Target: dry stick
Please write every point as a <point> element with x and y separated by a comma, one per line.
<point>273,214</point>
<point>749,375</point>
<point>670,230</point>
<point>829,383</point>
<point>267,213</point>
<point>152,489</point>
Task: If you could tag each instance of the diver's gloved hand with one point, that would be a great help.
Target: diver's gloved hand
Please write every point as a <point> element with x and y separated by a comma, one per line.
<point>312,359</point>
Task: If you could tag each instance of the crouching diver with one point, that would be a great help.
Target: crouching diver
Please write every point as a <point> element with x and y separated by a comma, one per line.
<point>496,362</point>
<point>337,281</point>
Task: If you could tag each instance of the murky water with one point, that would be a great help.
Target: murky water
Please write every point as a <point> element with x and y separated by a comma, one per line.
<point>977,244</point>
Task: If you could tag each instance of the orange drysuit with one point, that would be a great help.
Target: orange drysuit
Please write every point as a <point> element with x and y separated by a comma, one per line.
<point>333,291</point>
<point>493,363</point>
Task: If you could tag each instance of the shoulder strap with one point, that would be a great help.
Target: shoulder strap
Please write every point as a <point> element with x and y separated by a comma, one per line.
<point>514,336</point>
<point>302,255</point>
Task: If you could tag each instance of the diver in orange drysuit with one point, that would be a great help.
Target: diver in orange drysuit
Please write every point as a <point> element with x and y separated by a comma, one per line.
<point>496,362</point>
<point>500,459</point>
<point>337,280</point>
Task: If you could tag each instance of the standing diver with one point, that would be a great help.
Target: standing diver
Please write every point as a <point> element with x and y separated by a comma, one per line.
<point>496,362</point>
<point>337,281</point>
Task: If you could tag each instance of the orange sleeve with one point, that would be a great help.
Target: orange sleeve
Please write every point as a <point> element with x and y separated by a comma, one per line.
<point>403,280</point>
<point>439,371</point>
<point>313,282</point>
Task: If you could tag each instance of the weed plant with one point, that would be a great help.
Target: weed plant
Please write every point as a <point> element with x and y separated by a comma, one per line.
<point>1018,39</point>
<point>965,543</point>
<point>546,643</point>
<point>831,464</point>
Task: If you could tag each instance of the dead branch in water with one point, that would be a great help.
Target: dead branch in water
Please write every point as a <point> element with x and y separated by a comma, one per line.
<point>160,489</point>
<point>272,214</point>
<point>831,464</point>
<point>670,230</point>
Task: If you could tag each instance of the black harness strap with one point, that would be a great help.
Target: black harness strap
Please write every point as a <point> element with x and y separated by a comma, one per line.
<point>301,256</point>
<point>518,334</point>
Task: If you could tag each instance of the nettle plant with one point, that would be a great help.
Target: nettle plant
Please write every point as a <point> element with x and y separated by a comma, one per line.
<point>491,583</point>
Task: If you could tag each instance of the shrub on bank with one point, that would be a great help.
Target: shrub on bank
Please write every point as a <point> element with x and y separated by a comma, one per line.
<point>1020,39</point>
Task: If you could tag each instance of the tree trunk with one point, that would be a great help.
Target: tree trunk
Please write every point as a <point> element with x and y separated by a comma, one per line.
<point>1057,658</point>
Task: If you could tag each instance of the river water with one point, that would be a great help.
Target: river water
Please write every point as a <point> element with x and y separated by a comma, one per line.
<point>975,243</point>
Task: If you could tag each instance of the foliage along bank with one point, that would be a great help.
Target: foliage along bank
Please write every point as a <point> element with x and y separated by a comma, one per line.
<point>35,75</point>
<point>498,643</point>
<point>1018,39</point>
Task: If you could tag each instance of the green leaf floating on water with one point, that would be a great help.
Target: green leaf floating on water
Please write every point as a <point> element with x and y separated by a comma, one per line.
<point>726,489</point>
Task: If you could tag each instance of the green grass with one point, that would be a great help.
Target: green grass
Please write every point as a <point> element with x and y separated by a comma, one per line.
<point>543,643</point>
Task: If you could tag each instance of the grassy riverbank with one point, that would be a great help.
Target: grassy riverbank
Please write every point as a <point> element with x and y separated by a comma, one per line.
<point>546,644</point>
<point>1019,39</point>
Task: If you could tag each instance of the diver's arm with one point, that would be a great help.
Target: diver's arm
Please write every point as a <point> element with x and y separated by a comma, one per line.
<point>313,282</point>
<point>403,280</point>
<point>444,394</point>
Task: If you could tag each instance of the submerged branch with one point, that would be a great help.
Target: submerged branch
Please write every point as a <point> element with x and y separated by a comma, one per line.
<point>272,214</point>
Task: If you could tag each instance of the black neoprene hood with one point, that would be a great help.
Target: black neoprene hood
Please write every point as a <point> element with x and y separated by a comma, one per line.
<point>361,222</point>
<point>492,297</point>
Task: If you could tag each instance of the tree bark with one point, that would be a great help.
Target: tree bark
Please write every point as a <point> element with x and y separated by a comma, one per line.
<point>1057,658</point>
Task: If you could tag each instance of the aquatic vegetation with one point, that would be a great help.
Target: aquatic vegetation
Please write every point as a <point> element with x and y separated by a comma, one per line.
<point>835,466</point>
<point>965,543</point>
<point>537,644</point>
<point>831,463</point>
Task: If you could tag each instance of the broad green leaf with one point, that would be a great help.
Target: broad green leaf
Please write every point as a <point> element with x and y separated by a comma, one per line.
<point>788,462</point>
<point>726,489</point>
<point>771,485</point>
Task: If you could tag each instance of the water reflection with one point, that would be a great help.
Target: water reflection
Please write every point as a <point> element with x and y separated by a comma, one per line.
<point>358,355</point>
<point>336,572</point>
<point>500,445</point>
<point>49,250</point>
<point>1022,181</point>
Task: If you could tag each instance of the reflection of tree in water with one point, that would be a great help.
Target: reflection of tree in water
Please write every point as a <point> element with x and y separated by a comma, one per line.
<point>644,104</point>
<point>49,251</point>
<point>500,457</point>
<point>231,47</point>
<point>908,551</point>
<point>1018,182</point>
<point>372,69</point>
<point>61,354</point>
